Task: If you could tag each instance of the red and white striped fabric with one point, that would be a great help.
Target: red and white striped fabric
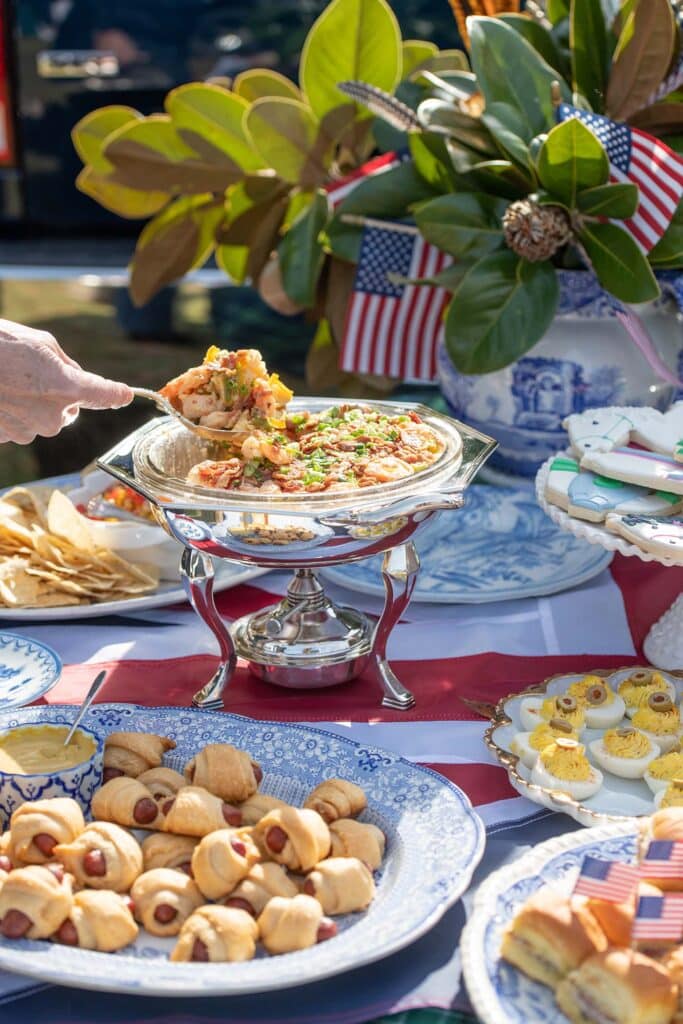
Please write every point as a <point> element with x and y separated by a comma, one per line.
<point>339,190</point>
<point>639,159</point>
<point>393,328</point>
<point>447,654</point>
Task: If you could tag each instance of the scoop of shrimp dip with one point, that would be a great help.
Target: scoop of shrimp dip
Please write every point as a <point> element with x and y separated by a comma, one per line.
<point>342,448</point>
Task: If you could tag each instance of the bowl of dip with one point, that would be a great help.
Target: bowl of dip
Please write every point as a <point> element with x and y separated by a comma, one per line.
<point>35,765</point>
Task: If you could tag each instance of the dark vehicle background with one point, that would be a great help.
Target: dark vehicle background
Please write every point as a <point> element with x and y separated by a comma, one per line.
<point>64,58</point>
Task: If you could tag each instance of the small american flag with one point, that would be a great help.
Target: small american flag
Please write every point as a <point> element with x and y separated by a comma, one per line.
<point>664,859</point>
<point>644,161</point>
<point>393,329</point>
<point>339,190</point>
<point>659,917</point>
<point>606,880</point>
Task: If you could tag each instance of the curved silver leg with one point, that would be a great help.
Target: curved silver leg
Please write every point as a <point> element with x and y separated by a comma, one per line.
<point>399,571</point>
<point>196,571</point>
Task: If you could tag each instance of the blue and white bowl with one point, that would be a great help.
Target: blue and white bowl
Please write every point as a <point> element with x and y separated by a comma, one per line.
<point>78,782</point>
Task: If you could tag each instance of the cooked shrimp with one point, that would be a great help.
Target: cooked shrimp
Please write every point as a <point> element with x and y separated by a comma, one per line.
<point>386,469</point>
<point>215,474</point>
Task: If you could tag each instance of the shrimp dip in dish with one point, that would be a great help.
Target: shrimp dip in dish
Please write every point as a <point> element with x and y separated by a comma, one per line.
<point>344,447</point>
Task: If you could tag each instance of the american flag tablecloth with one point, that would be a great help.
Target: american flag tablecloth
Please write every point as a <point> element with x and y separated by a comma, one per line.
<point>443,653</point>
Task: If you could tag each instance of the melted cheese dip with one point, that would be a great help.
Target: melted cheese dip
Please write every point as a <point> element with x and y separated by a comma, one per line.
<point>37,749</point>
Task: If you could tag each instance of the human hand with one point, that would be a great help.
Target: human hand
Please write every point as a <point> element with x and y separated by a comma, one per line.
<point>42,389</point>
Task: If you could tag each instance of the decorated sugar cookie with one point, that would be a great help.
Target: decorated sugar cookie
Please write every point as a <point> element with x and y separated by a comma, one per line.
<point>662,537</point>
<point>602,430</point>
<point>586,495</point>
<point>637,466</point>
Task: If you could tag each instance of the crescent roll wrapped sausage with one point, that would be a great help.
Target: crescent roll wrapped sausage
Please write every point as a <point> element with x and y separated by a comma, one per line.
<point>257,806</point>
<point>221,860</point>
<point>355,839</point>
<point>126,801</point>
<point>193,811</point>
<point>131,753</point>
<point>103,856</point>
<point>262,883</point>
<point>217,934</point>
<point>341,885</point>
<point>296,838</point>
<point>163,899</point>
<point>99,919</point>
<point>162,782</point>
<point>286,925</point>
<point>162,850</point>
<point>34,901</point>
<point>225,771</point>
<point>337,798</point>
<point>37,828</point>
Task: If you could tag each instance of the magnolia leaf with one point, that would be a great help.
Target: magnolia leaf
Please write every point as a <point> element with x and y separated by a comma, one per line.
<point>298,202</point>
<point>668,251</point>
<point>443,118</point>
<point>541,39</point>
<point>232,260</point>
<point>262,83</point>
<point>572,159</point>
<point>91,132</point>
<point>245,213</point>
<point>352,40</point>
<point>415,52</point>
<point>659,119</point>
<point>445,61</point>
<point>301,253</point>
<point>150,155</point>
<point>618,201</point>
<point>176,241</point>
<point>483,335</point>
<point>619,265</point>
<point>432,162</point>
<point>127,202</point>
<point>386,196</point>
<point>467,224</point>
<point>642,57</point>
<point>507,128</point>
<point>557,10</point>
<point>501,178</point>
<point>589,51</point>
<point>343,240</point>
<point>510,71</point>
<point>218,116</point>
<point>285,133</point>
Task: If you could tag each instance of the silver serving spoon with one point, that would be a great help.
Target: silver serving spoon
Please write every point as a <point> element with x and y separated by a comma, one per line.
<point>208,433</point>
<point>89,697</point>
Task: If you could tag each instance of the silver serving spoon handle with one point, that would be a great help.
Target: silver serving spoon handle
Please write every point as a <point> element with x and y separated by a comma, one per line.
<point>208,433</point>
<point>89,697</point>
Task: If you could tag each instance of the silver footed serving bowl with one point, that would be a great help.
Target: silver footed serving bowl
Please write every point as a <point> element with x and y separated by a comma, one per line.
<point>305,640</point>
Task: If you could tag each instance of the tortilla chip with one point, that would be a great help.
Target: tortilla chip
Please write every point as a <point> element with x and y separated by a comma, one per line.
<point>64,520</point>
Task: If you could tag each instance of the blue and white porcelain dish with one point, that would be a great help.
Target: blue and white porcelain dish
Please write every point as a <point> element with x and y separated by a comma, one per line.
<point>434,842</point>
<point>78,782</point>
<point>28,670</point>
<point>499,547</point>
<point>498,991</point>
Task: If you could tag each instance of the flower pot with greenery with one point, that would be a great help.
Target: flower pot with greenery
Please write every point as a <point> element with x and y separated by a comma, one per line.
<point>530,209</point>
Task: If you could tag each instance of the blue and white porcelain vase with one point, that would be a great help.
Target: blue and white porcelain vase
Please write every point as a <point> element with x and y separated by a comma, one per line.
<point>586,359</point>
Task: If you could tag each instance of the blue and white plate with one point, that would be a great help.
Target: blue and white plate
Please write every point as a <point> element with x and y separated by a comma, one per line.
<point>499,547</point>
<point>28,669</point>
<point>498,991</point>
<point>434,842</point>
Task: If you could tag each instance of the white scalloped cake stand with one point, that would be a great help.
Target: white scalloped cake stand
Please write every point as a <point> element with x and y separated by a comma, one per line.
<point>663,645</point>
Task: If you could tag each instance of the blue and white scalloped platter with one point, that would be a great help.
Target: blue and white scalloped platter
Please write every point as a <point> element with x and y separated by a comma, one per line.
<point>500,547</point>
<point>498,991</point>
<point>434,842</point>
<point>28,669</point>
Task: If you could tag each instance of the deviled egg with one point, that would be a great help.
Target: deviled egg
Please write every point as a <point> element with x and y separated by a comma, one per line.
<point>636,688</point>
<point>563,766</point>
<point>624,752</point>
<point>534,710</point>
<point>660,720</point>
<point>663,769</point>
<point>528,745</point>
<point>603,707</point>
<point>672,796</point>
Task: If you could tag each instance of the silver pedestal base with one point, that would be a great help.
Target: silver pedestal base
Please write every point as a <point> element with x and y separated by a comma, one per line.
<point>306,640</point>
